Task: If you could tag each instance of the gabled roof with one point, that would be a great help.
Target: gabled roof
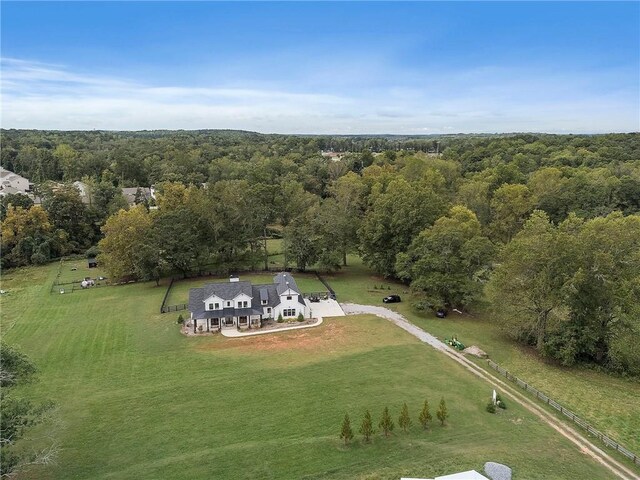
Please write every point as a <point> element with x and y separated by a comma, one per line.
<point>264,295</point>
<point>230,290</point>
<point>227,290</point>
<point>284,281</point>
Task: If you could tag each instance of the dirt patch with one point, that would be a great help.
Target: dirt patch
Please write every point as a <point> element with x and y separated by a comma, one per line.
<point>329,336</point>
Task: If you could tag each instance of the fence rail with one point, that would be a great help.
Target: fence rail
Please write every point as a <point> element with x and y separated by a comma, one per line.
<point>567,413</point>
<point>173,308</point>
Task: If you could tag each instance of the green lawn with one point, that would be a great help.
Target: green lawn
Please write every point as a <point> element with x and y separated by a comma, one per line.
<point>608,402</point>
<point>136,399</point>
<point>275,248</point>
<point>76,270</point>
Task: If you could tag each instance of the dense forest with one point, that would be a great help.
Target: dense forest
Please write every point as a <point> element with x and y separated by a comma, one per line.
<point>542,229</point>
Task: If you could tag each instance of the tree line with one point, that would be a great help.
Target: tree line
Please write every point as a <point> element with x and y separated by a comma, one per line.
<point>543,227</point>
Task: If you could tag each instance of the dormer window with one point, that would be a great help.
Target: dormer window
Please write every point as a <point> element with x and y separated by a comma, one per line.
<point>289,297</point>
<point>217,306</point>
<point>228,304</point>
<point>211,306</point>
<point>264,302</point>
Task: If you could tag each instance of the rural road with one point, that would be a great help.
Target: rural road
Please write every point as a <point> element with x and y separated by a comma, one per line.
<point>584,444</point>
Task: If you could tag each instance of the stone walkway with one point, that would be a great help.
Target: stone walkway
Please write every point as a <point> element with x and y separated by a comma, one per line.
<point>233,333</point>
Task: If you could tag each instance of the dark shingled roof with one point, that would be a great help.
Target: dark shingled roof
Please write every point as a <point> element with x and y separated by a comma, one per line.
<point>230,290</point>
<point>281,281</point>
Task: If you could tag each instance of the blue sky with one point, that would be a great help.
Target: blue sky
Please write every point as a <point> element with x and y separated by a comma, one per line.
<point>321,67</point>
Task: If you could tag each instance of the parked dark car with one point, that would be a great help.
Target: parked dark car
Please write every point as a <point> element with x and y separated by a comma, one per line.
<point>441,313</point>
<point>392,299</point>
<point>314,298</point>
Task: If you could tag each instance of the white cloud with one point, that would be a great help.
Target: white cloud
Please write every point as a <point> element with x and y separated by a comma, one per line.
<point>490,99</point>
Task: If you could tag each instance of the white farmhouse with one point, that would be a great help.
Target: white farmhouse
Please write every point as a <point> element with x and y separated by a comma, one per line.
<point>237,304</point>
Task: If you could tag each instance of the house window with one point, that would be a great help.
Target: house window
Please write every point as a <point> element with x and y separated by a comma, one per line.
<point>264,302</point>
<point>228,304</point>
<point>245,304</point>
<point>215,322</point>
<point>217,306</point>
<point>211,306</point>
<point>269,310</point>
<point>289,312</point>
<point>289,297</point>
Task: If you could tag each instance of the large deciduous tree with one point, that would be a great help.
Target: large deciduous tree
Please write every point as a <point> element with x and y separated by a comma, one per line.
<point>28,237</point>
<point>448,262</point>
<point>572,290</point>
<point>350,194</point>
<point>528,286</point>
<point>511,205</point>
<point>67,212</point>
<point>396,216</point>
<point>603,296</point>
<point>126,234</point>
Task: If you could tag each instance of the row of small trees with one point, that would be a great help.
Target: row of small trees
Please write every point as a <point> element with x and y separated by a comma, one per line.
<point>386,423</point>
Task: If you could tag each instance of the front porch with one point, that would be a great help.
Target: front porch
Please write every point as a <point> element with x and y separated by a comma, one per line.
<point>216,324</point>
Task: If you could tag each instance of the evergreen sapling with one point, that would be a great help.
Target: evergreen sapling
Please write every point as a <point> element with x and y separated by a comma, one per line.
<point>366,429</point>
<point>405,420</point>
<point>442,413</point>
<point>346,434</point>
<point>425,415</point>
<point>386,423</point>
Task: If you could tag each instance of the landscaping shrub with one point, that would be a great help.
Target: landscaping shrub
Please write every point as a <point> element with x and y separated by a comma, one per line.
<point>491,408</point>
<point>280,319</point>
<point>180,319</point>
<point>300,317</point>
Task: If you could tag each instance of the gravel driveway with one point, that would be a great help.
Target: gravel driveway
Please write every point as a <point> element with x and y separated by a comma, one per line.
<point>513,392</point>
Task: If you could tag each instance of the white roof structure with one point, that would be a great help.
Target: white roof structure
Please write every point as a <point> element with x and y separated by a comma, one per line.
<point>468,475</point>
<point>10,181</point>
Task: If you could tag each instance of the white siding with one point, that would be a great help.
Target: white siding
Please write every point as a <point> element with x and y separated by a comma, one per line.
<point>238,301</point>
<point>214,299</point>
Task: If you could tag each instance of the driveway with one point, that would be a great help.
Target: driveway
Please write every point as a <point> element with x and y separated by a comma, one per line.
<point>325,308</point>
<point>583,443</point>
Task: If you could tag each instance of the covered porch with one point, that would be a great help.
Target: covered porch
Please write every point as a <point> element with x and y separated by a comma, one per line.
<point>215,324</point>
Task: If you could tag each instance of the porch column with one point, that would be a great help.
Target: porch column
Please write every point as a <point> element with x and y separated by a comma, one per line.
<point>208,324</point>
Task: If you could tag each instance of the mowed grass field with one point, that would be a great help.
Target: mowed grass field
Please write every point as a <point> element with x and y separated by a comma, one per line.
<point>610,403</point>
<point>136,399</point>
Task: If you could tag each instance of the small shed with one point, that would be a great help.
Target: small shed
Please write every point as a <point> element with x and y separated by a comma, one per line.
<point>93,263</point>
